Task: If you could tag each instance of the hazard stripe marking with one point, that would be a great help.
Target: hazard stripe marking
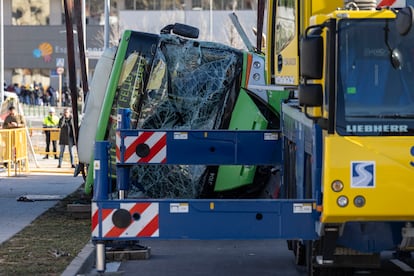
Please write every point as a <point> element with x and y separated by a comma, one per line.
<point>118,145</point>
<point>158,148</point>
<point>115,231</point>
<point>146,226</point>
<point>94,219</point>
<point>386,3</point>
<point>139,208</point>
<point>95,216</point>
<point>106,213</point>
<point>147,217</point>
<point>157,142</point>
<point>107,223</point>
<point>151,230</point>
<point>142,138</point>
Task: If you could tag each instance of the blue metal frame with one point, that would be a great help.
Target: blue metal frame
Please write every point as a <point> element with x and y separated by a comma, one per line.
<point>227,219</point>
<point>307,136</point>
<point>215,147</point>
<point>212,218</point>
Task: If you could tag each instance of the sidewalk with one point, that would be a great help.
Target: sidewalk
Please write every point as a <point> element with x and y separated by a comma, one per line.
<point>49,166</point>
<point>47,180</point>
<point>49,184</point>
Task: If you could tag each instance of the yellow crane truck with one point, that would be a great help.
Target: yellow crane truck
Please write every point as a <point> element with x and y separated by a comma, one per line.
<point>348,137</point>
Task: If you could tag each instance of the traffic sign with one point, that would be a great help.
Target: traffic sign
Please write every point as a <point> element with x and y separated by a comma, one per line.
<point>60,62</point>
<point>60,70</point>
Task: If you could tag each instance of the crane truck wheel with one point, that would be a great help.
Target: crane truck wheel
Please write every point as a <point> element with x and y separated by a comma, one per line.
<point>299,250</point>
<point>313,269</point>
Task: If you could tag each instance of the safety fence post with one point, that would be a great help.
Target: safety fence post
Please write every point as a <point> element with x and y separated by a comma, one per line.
<point>21,155</point>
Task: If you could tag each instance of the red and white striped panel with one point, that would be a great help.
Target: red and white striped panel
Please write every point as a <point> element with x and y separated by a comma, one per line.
<point>94,220</point>
<point>157,142</point>
<point>118,146</point>
<point>392,3</point>
<point>146,226</point>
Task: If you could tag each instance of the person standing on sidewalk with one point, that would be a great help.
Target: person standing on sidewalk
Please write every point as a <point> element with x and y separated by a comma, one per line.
<point>50,121</point>
<point>66,137</point>
<point>13,120</point>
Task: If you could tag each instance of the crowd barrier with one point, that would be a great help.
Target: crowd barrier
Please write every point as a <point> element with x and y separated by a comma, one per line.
<point>21,149</point>
<point>38,142</point>
<point>13,149</point>
<point>20,146</point>
<point>39,110</point>
<point>43,110</point>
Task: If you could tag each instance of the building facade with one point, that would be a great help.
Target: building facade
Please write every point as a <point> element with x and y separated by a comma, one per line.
<point>35,32</point>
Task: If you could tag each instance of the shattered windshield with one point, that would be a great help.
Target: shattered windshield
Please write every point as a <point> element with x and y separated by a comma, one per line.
<point>191,85</point>
<point>374,96</point>
<point>188,85</point>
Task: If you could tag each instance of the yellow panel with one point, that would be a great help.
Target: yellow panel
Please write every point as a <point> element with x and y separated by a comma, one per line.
<point>389,196</point>
<point>286,43</point>
<point>292,17</point>
<point>297,17</point>
<point>324,7</point>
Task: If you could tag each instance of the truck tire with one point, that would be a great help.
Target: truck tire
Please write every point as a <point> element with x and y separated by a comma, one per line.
<point>300,252</point>
<point>311,248</point>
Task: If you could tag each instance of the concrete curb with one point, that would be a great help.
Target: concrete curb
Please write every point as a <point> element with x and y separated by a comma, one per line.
<point>83,263</point>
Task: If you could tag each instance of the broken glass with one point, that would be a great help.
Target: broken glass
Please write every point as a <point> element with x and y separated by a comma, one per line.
<point>191,85</point>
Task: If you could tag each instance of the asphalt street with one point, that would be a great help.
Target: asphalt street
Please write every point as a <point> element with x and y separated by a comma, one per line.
<point>232,257</point>
<point>215,257</point>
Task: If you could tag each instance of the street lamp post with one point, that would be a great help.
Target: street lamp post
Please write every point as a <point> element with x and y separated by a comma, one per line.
<point>106,27</point>
<point>211,20</point>
<point>1,51</point>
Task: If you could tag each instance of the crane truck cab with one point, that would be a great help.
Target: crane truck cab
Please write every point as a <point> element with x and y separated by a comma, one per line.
<point>348,137</point>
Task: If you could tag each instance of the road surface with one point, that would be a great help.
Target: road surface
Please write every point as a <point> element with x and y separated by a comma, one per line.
<point>231,257</point>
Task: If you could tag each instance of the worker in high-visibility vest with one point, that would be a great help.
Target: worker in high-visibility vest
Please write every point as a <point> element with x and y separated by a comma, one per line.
<point>50,121</point>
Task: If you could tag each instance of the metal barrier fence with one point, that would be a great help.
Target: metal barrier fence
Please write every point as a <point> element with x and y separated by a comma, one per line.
<point>38,142</point>
<point>13,149</point>
<point>37,137</point>
<point>20,146</point>
<point>39,110</point>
